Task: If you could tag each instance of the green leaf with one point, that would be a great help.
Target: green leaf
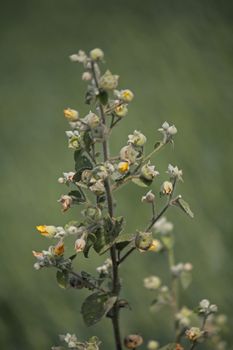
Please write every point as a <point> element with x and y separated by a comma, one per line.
<point>103,96</point>
<point>157,144</point>
<point>170,346</point>
<point>87,141</point>
<point>83,162</point>
<point>95,307</point>
<point>91,239</point>
<point>179,202</point>
<point>77,196</point>
<point>185,279</point>
<point>142,182</point>
<point>123,240</point>
<point>62,279</point>
<point>106,235</point>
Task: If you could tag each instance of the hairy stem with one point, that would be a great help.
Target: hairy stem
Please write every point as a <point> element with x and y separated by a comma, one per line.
<point>113,252</point>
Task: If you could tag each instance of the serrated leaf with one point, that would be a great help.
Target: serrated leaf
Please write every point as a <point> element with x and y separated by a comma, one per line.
<point>185,279</point>
<point>170,346</point>
<point>95,307</point>
<point>62,279</point>
<point>141,182</point>
<point>179,202</point>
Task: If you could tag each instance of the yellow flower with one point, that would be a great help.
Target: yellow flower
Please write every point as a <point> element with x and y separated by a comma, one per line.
<point>71,114</point>
<point>59,248</point>
<point>155,246</point>
<point>126,95</point>
<point>123,167</point>
<point>48,231</point>
<point>121,110</point>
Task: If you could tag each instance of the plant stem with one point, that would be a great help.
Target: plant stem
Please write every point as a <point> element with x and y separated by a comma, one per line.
<point>113,252</point>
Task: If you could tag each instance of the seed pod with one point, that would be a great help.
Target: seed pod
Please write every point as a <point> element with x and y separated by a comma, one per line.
<point>144,240</point>
<point>132,341</point>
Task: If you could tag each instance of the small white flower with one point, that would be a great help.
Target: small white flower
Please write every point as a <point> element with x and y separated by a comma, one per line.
<point>80,57</point>
<point>152,282</point>
<point>137,138</point>
<point>148,198</point>
<point>174,172</point>
<point>163,226</point>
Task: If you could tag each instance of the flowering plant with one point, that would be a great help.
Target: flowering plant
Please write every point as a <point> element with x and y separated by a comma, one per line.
<point>96,177</point>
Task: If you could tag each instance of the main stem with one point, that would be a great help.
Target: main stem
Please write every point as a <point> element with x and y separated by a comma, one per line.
<point>113,253</point>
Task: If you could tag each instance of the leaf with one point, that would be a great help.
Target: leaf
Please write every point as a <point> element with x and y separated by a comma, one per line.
<point>157,145</point>
<point>142,182</point>
<point>91,239</point>
<point>179,202</point>
<point>95,307</point>
<point>62,279</point>
<point>123,240</point>
<point>185,279</point>
<point>106,235</point>
<point>170,346</point>
<point>77,196</point>
<point>82,162</point>
<point>103,96</point>
<point>87,141</point>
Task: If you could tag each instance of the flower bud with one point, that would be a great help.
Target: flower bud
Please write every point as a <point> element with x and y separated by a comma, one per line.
<point>37,266</point>
<point>153,345</point>
<point>72,230</point>
<point>204,304</point>
<point>59,249</point>
<point>123,167</point>
<point>48,231</point>
<point>148,171</point>
<point>148,198</point>
<point>152,282</point>
<point>79,57</point>
<point>79,245</point>
<point>137,138</point>
<point>172,130</point>
<point>66,202</point>
<point>193,333</point>
<point>213,308</point>
<point>92,120</point>
<point>108,81</point>
<point>96,54</point>
<point>133,341</point>
<point>86,76</point>
<point>143,240</point>
<point>71,114</point>
<point>166,188</point>
<point>121,110</point>
<point>126,95</point>
<point>92,213</point>
<point>128,153</point>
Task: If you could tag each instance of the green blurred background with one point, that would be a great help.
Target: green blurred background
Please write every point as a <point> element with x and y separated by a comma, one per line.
<point>177,58</point>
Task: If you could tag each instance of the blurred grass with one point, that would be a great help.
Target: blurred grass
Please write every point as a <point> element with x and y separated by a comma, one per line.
<point>177,58</point>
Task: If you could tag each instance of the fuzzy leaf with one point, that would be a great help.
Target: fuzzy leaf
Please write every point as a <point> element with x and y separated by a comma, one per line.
<point>77,195</point>
<point>107,234</point>
<point>142,182</point>
<point>91,239</point>
<point>123,240</point>
<point>62,279</point>
<point>82,162</point>
<point>179,202</point>
<point>95,307</point>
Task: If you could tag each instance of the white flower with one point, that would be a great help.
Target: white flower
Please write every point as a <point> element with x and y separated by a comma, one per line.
<point>148,171</point>
<point>86,76</point>
<point>163,226</point>
<point>80,57</point>
<point>148,198</point>
<point>128,153</point>
<point>152,282</point>
<point>168,132</point>
<point>174,172</point>
<point>96,54</point>
<point>71,340</point>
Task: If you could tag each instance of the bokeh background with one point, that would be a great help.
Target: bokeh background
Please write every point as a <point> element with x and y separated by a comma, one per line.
<point>177,58</point>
